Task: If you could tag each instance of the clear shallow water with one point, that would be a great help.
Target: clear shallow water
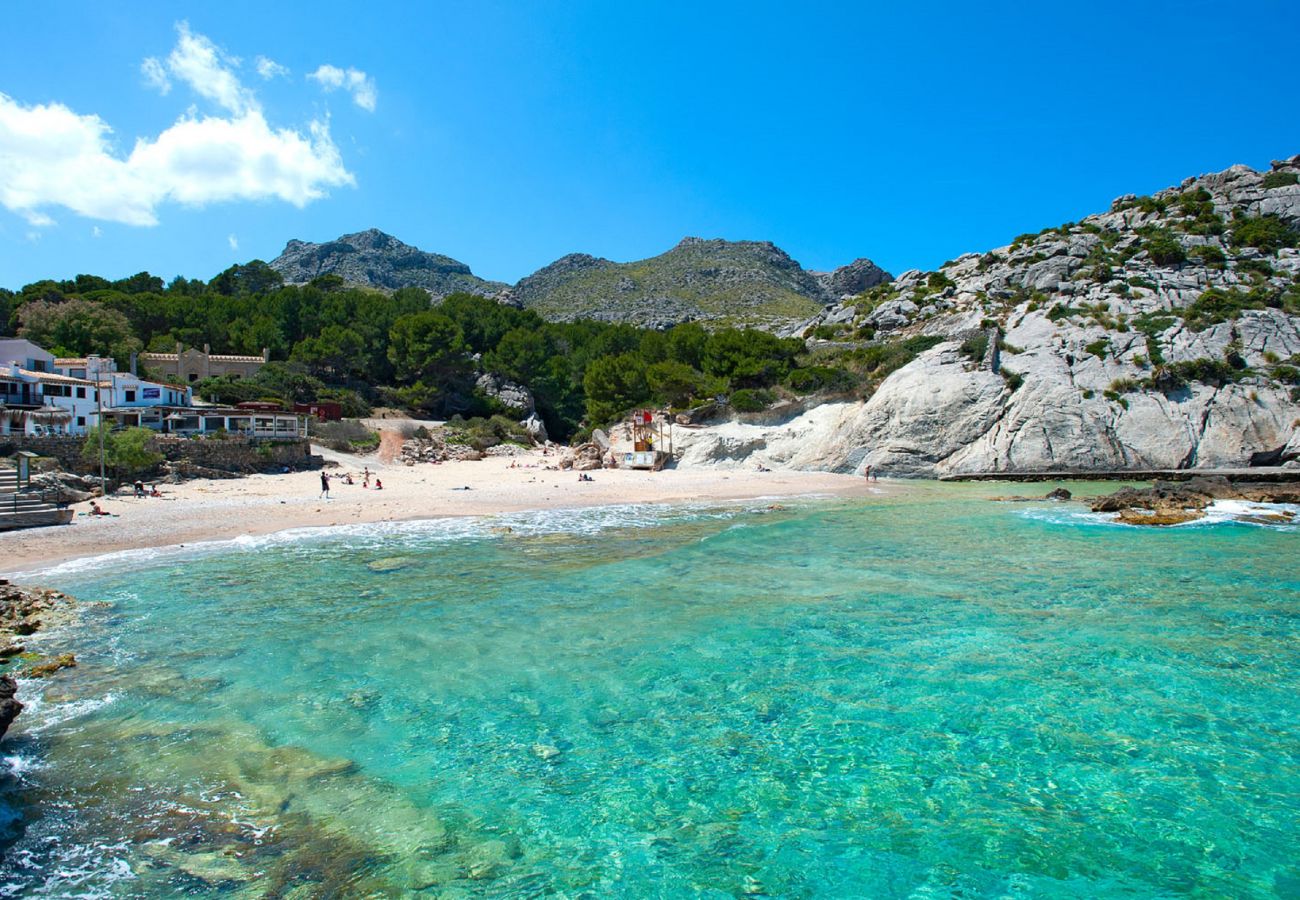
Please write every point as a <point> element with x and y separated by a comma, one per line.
<point>929,696</point>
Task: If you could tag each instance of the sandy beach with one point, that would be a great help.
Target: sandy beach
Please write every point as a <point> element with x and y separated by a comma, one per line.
<point>205,510</point>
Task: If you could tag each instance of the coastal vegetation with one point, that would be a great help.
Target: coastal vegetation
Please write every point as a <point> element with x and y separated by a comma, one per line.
<point>361,347</point>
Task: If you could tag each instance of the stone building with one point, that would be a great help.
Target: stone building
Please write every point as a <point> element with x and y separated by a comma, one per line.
<point>193,364</point>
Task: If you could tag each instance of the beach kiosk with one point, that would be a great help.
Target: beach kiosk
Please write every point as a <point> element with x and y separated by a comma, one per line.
<point>652,441</point>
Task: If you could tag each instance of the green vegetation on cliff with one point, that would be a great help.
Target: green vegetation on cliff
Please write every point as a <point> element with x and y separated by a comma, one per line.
<point>738,282</point>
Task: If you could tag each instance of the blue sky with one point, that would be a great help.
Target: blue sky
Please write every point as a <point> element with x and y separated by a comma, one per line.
<point>508,134</point>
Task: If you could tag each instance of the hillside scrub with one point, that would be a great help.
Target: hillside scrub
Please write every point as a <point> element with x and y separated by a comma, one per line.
<point>345,436</point>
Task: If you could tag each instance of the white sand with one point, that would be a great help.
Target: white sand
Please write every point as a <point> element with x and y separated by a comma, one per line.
<point>206,510</point>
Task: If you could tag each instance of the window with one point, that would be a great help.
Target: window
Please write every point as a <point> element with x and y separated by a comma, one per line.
<point>81,421</point>
<point>81,393</point>
<point>193,376</point>
<point>130,396</point>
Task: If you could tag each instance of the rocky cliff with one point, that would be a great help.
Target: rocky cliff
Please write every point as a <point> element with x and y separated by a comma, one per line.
<point>1163,333</point>
<point>736,282</point>
<point>380,260</point>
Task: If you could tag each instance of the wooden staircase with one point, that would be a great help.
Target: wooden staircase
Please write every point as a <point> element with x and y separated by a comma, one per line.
<point>26,510</point>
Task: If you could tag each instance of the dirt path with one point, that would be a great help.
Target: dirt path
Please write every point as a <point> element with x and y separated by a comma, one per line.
<point>390,445</point>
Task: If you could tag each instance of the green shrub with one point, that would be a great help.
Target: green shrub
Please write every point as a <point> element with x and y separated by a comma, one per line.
<point>1209,255</point>
<point>1099,348</point>
<point>1288,374</point>
<point>1258,266</point>
<point>1163,248</point>
<point>975,346</point>
<point>1146,204</point>
<point>818,378</point>
<point>1219,305</point>
<point>1122,386</point>
<point>880,360</point>
<point>938,281</point>
<point>1216,372</point>
<point>751,400</point>
<point>346,436</point>
<point>1268,233</point>
<point>126,453</point>
<point>1279,179</point>
<point>1013,379</point>
<point>1063,311</point>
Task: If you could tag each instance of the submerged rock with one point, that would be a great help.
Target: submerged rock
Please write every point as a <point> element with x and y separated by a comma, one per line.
<point>1141,517</point>
<point>49,667</point>
<point>390,564</point>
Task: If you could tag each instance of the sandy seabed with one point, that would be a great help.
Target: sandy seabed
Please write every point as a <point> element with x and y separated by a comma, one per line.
<point>206,510</point>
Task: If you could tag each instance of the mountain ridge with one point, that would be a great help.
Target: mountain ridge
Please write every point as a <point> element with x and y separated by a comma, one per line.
<point>711,279</point>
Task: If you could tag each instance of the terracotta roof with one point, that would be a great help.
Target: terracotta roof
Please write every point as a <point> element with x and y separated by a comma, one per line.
<point>214,357</point>
<point>70,361</point>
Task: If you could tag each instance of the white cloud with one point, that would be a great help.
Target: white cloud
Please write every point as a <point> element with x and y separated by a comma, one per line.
<point>269,68</point>
<point>204,67</point>
<point>360,85</point>
<point>232,241</point>
<point>96,231</point>
<point>53,156</point>
<point>155,75</point>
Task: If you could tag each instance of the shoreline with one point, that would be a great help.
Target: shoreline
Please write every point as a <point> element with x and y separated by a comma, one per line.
<point>206,511</point>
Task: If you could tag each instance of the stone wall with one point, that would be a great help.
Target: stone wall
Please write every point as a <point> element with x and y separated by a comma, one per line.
<point>233,454</point>
<point>67,450</point>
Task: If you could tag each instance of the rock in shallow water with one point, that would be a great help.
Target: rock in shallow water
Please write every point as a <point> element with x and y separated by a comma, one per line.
<point>9,705</point>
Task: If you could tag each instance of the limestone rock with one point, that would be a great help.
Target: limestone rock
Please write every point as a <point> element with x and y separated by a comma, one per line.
<point>856,277</point>
<point>536,428</point>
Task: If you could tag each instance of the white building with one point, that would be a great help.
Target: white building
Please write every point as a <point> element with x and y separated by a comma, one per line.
<point>25,355</point>
<point>41,395</point>
<point>45,403</point>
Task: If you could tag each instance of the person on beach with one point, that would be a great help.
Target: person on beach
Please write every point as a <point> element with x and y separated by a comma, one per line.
<point>379,485</point>
<point>95,510</point>
<point>866,473</point>
<point>139,488</point>
<point>324,486</point>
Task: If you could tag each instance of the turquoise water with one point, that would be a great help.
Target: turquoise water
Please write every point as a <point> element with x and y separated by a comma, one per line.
<point>921,696</point>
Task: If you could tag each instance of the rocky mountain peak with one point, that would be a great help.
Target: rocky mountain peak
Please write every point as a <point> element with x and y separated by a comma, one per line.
<point>374,258</point>
<point>858,276</point>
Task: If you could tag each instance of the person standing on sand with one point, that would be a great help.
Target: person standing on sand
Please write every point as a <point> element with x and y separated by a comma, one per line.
<point>866,473</point>
<point>324,486</point>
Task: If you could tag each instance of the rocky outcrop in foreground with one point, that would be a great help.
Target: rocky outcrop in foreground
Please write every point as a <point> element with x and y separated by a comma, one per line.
<point>380,260</point>
<point>24,611</point>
